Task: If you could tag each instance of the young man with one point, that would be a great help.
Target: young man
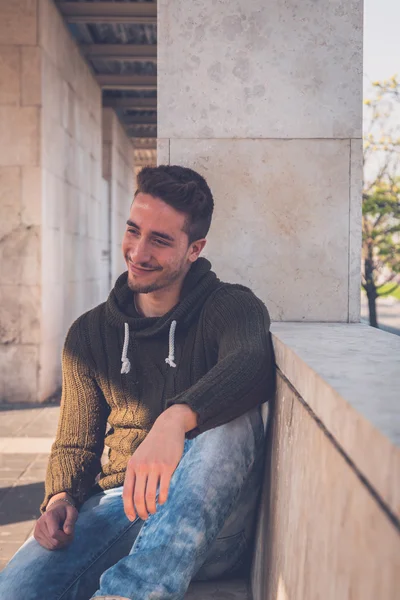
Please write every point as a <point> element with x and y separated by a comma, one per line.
<point>177,363</point>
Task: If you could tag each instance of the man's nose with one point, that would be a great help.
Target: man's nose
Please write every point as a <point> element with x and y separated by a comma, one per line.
<point>140,253</point>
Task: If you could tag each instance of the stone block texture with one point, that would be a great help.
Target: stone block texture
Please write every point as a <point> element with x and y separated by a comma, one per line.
<point>346,373</point>
<point>18,22</point>
<point>259,69</point>
<point>281,221</point>
<point>321,532</point>
<point>55,204</point>
<point>74,275</point>
<point>20,227</point>
<point>118,170</point>
<point>264,100</point>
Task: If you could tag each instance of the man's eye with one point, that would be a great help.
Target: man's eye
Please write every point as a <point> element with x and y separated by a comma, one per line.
<point>134,231</point>
<point>161,243</point>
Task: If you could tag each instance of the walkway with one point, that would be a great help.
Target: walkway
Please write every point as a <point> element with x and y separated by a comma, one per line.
<point>26,438</point>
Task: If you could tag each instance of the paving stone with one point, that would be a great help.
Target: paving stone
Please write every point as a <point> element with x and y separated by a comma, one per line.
<point>15,461</point>
<point>25,445</point>
<point>16,532</point>
<point>3,562</point>
<point>44,424</point>
<point>14,420</point>
<point>29,422</point>
<point>7,551</point>
<point>34,473</point>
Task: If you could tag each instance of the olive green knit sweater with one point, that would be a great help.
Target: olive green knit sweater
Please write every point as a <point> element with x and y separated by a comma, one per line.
<point>219,362</point>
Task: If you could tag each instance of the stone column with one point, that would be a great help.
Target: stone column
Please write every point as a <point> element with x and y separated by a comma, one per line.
<point>20,201</point>
<point>118,170</point>
<point>264,99</point>
<point>54,226</point>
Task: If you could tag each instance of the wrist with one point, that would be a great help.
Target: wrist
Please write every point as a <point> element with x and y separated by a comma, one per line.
<point>63,496</point>
<point>61,500</point>
<point>180,415</point>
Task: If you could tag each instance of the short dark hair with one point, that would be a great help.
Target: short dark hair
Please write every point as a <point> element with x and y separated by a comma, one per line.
<point>183,189</point>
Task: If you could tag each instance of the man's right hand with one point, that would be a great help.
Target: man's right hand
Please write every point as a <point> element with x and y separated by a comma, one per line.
<point>55,528</point>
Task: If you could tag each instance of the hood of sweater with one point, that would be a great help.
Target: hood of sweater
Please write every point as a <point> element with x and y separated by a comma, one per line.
<point>197,286</point>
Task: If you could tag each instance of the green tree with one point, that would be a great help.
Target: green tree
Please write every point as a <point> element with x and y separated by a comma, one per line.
<point>381,194</point>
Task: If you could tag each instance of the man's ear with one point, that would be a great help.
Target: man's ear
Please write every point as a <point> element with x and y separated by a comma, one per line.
<point>196,249</point>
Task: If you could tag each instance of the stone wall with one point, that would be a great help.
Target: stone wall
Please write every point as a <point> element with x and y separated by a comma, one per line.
<point>119,171</point>
<point>264,99</point>
<point>20,201</point>
<point>56,207</point>
<point>73,238</point>
<point>329,518</point>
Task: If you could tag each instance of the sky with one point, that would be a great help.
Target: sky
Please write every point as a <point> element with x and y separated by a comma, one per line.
<point>381,61</point>
<point>381,40</point>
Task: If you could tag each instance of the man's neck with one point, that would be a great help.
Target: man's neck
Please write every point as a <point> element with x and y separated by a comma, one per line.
<point>158,303</point>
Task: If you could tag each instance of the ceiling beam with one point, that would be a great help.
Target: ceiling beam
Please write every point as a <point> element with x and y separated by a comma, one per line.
<point>141,133</point>
<point>146,144</point>
<point>127,82</point>
<point>139,120</point>
<point>127,52</point>
<point>108,12</point>
<point>131,103</point>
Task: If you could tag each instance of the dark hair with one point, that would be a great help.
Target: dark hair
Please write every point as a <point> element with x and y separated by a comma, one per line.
<point>183,189</point>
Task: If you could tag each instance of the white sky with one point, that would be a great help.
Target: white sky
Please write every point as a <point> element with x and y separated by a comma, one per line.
<point>381,40</point>
<point>381,61</point>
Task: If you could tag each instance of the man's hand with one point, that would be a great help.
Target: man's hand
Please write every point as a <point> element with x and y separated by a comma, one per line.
<point>155,461</point>
<point>55,528</point>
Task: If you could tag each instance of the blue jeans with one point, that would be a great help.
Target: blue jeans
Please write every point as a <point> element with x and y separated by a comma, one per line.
<point>200,533</point>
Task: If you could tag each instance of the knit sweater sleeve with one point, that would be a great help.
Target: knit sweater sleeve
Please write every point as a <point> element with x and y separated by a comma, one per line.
<point>75,456</point>
<point>237,325</point>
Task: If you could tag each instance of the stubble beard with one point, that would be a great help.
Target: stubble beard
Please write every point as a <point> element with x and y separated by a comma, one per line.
<point>165,281</point>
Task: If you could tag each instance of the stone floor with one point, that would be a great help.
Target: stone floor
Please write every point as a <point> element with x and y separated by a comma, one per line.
<point>26,435</point>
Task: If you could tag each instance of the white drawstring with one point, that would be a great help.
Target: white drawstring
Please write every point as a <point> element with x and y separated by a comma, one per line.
<point>126,365</point>
<point>171,355</point>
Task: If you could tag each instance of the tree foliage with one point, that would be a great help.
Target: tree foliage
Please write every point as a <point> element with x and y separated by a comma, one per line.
<point>381,193</point>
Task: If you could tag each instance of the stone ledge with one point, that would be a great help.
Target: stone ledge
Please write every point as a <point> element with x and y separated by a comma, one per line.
<point>346,373</point>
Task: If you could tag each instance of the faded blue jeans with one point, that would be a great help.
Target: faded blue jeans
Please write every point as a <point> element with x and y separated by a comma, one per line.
<point>200,533</point>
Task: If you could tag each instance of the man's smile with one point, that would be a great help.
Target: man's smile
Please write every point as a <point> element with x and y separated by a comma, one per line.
<point>137,270</point>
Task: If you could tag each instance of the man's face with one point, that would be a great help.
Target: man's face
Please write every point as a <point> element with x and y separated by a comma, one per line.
<point>155,245</point>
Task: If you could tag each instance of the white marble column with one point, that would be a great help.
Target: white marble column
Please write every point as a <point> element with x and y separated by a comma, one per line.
<point>264,99</point>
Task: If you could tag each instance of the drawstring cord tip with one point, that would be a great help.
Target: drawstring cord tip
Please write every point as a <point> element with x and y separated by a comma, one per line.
<point>126,366</point>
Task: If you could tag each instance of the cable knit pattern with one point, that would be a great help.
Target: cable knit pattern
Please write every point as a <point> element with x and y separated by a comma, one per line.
<point>224,367</point>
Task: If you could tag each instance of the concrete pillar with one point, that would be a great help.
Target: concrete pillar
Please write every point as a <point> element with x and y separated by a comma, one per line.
<point>54,231</point>
<point>264,99</point>
<point>118,170</point>
<point>20,201</point>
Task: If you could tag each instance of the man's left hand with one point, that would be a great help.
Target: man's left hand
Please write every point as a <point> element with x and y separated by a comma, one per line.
<point>155,461</point>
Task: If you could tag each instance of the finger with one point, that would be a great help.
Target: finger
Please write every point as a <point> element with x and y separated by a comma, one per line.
<point>139,494</point>
<point>165,481</point>
<point>43,537</point>
<point>151,491</point>
<point>127,494</point>
<point>69,524</point>
<point>53,522</point>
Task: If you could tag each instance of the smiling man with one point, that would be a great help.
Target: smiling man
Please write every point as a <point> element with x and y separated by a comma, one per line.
<point>177,364</point>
